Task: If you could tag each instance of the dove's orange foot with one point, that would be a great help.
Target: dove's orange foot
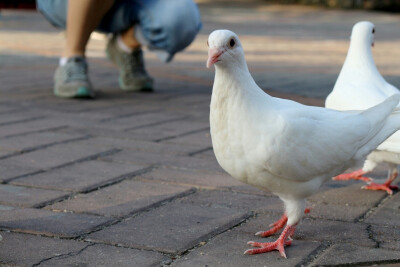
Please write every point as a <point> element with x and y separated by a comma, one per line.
<point>385,187</point>
<point>276,226</point>
<point>356,175</point>
<point>279,244</point>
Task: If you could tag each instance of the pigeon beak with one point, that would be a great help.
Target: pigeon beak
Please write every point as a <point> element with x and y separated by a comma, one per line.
<point>373,44</point>
<point>213,56</point>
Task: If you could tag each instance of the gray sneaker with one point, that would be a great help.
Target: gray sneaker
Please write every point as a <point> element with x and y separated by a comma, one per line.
<point>71,80</point>
<point>132,74</point>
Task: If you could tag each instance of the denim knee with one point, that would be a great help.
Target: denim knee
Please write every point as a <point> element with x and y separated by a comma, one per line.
<point>169,25</point>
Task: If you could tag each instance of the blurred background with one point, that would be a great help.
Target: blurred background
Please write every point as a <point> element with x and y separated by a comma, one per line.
<point>292,47</point>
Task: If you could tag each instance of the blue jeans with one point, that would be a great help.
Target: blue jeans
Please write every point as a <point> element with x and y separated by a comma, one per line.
<point>168,25</point>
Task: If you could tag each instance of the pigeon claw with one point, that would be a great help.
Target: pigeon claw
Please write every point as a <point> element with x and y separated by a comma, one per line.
<point>267,247</point>
<point>385,187</point>
<point>276,226</point>
<point>356,175</point>
<point>279,244</point>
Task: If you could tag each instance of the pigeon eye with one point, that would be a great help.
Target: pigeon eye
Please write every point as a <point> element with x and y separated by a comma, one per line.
<point>232,43</point>
<point>373,30</point>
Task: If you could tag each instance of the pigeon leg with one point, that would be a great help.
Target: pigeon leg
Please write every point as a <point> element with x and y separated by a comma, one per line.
<point>356,175</point>
<point>385,186</point>
<point>276,226</point>
<point>279,244</point>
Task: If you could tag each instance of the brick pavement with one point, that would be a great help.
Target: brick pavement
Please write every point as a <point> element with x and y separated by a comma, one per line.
<point>131,180</point>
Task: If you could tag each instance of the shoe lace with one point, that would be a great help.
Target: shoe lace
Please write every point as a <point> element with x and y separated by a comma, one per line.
<point>133,64</point>
<point>77,71</point>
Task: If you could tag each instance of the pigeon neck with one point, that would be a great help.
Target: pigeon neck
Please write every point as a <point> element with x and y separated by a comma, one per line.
<point>360,57</point>
<point>235,73</point>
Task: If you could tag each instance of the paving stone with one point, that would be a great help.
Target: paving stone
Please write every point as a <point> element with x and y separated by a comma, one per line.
<point>207,179</point>
<point>227,199</point>
<point>48,223</point>
<point>227,250</point>
<point>20,143</point>
<point>10,170</point>
<point>26,249</point>
<point>54,156</point>
<point>140,121</point>
<point>80,177</point>
<point>103,255</point>
<point>355,255</point>
<point>121,199</point>
<point>388,213</point>
<point>351,195</point>
<point>168,130</point>
<point>387,236</point>
<point>27,197</point>
<point>207,154</point>
<point>337,212</point>
<point>172,228</point>
<point>201,139</point>
<point>144,157</point>
<point>141,145</point>
<point>334,231</point>
<point>6,119</point>
<point>30,126</point>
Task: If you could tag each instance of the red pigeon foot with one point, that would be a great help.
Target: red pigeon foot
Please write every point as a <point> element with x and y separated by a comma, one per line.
<point>385,187</point>
<point>356,175</point>
<point>276,226</point>
<point>279,244</point>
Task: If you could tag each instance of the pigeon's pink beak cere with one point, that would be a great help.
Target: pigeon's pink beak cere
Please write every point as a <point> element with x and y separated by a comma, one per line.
<point>213,56</point>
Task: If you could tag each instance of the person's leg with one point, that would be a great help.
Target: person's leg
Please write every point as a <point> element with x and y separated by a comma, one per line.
<point>71,79</point>
<point>83,17</point>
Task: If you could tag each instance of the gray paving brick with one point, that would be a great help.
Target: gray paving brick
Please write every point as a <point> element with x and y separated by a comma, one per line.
<point>227,249</point>
<point>49,223</point>
<point>227,199</point>
<point>168,130</point>
<point>139,121</point>
<point>144,157</point>
<point>54,156</point>
<point>337,212</point>
<point>26,249</point>
<point>172,228</point>
<point>80,177</point>
<point>27,197</point>
<point>31,126</point>
<point>387,236</point>
<point>334,231</point>
<point>10,170</point>
<point>121,199</point>
<point>355,255</point>
<point>141,145</point>
<point>19,143</point>
<point>103,255</point>
<point>202,138</point>
<point>388,213</point>
<point>351,195</point>
<point>208,179</point>
<point>8,119</point>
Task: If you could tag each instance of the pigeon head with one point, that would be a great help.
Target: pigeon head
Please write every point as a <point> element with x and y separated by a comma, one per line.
<point>363,32</point>
<point>224,49</point>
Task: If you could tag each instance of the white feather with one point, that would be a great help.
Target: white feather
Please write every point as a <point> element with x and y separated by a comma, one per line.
<point>282,146</point>
<point>361,86</point>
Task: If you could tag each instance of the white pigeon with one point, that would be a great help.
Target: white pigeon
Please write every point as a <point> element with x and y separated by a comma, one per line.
<point>361,86</point>
<point>280,145</point>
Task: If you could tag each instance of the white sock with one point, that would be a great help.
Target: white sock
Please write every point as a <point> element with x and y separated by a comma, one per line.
<point>63,61</point>
<point>122,45</point>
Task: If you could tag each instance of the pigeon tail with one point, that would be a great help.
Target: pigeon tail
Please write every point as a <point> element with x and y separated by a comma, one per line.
<point>385,118</point>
